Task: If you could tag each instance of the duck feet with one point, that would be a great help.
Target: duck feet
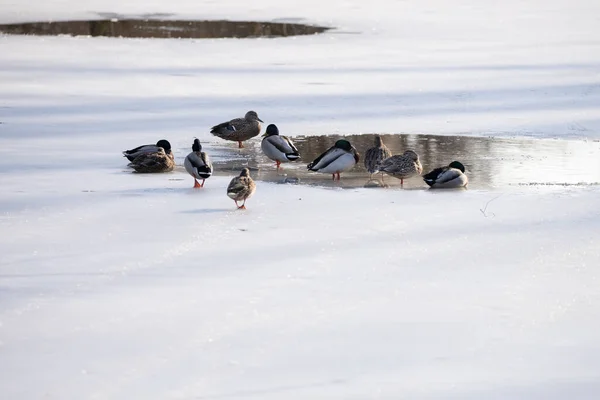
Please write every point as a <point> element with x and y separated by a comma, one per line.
<point>240,144</point>
<point>278,163</point>
<point>338,176</point>
<point>197,184</point>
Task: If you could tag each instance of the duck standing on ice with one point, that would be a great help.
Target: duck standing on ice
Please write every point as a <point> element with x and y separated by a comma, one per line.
<point>198,164</point>
<point>239,129</point>
<point>375,155</point>
<point>402,166</point>
<point>338,158</point>
<point>241,188</point>
<point>278,148</point>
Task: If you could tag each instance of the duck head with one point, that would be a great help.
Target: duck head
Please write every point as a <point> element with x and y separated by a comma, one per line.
<point>346,146</point>
<point>196,146</point>
<point>252,116</point>
<point>164,144</point>
<point>272,130</point>
<point>458,165</point>
<point>411,154</point>
<point>245,172</point>
<point>378,141</point>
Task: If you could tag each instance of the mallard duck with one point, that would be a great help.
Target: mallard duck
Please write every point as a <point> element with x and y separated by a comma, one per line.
<point>198,164</point>
<point>241,188</point>
<point>402,166</point>
<point>452,176</point>
<point>149,148</point>
<point>375,155</point>
<point>338,158</point>
<point>158,161</point>
<point>239,129</point>
<point>278,148</point>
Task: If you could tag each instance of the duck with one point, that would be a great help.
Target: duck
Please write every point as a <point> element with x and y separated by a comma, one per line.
<point>402,166</point>
<point>375,155</point>
<point>338,158</point>
<point>278,148</point>
<point>158,161</point>
<point>452,176</point>
<point>241,188</point>
<point>239,129</point>
<point>198,164</point>
<point>149,148</point>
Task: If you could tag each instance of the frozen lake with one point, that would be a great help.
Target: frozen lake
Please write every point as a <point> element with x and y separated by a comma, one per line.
<point>116,285</point>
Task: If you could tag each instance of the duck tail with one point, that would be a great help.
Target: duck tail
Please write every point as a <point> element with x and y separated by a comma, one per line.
<point>204,172</point>
<point>429,181</point>
<point>292,156</point>
<point>221,127</point>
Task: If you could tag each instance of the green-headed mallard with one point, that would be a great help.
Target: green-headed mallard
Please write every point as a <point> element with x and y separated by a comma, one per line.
<point>375,155</point>
<point>402,166</point>
<point>241,188</point>
<point>149,148</point>
<point>452,176</point>
<point>198,164</point>
<point>278,148</point>
<point>157,161</point>
<point>239,129</point>
<point>338,158</point>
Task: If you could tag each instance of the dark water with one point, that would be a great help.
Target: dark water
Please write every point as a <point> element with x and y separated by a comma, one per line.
<point>157,28</point>
<point>489,162</point>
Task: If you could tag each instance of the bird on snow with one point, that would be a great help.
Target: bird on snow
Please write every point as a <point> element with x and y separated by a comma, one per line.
<point>157,161</point>
<point>241,188</point>
<point>198,164</point>
<point>238,129</point>
<point>375,155</point>
<point>338,158</point>
<point>452,176</point>
<point>278,148</point>
<point>149,148</point>
<point>402,166</point>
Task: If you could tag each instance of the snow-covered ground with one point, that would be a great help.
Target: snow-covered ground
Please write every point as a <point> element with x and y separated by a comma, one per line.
<point>121,286</point>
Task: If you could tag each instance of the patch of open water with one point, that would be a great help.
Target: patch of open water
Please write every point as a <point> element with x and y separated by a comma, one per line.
<point>490,162</point>
<point>163,28</point>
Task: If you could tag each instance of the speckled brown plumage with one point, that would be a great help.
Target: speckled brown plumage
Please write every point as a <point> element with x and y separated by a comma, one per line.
<point>239,129</point>
<point>375,155</point>
<point>155,162</point>
<point>402,166</point>
<point>241,188</point>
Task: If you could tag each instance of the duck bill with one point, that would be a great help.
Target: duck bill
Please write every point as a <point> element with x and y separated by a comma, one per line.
<point>356,156</point>
<point>260,120</point>
<point>264,134</point>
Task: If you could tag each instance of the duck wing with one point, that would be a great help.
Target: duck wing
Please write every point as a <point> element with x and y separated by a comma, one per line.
<point>332,154</point>
<point>284,145</point>
<point>449,174</point>
<point>146,148</point>
<point>240,187</point>
<point>432,177</point>
<point>200,162</point>
<point>153,162</point>
<point>227,127</point>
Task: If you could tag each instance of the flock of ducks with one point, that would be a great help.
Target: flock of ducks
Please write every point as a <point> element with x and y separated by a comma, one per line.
<point>340,157</point>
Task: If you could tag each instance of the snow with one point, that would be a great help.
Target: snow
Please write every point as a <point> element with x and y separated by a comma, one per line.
<point>120,286</point>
